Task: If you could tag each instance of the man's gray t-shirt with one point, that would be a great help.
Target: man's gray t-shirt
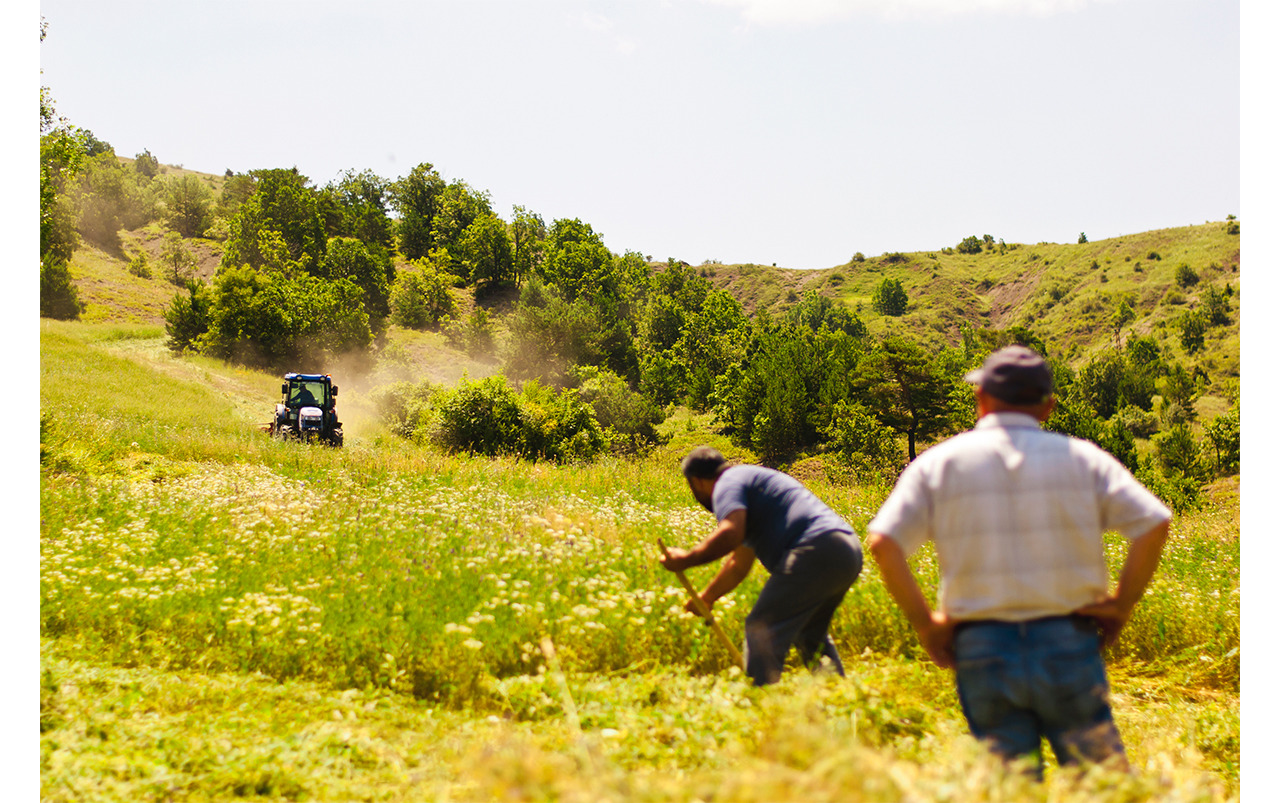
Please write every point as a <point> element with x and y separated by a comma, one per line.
<point>781,513</point>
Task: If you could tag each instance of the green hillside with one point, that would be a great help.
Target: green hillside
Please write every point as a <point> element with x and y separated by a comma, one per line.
<point>1065,294</point>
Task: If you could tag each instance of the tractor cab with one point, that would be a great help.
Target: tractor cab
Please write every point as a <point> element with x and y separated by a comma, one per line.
<point>307,409</point>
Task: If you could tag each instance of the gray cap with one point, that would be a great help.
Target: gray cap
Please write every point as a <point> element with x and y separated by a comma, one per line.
<point>1014,375</point>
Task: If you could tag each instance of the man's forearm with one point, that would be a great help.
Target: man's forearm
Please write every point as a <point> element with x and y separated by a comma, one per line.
<point>731,574</point>
<point>1140,565</point>
<point>901,583</point>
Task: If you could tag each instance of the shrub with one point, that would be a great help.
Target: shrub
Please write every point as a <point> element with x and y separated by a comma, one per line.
<point>858,256</point>
<point>627,418</point>
<point>420,296</point>
<point>1153,255</point>
<point>970,245</point>
<point>405,407</point>
<point>889,298</point>
<point>1191,328</point>
<point>473,334</point>
<point>482,417</point>
<point>1185,276</point>
<point>58,295</point>
<point>187,319</point>
<point>489,417</point>
<point>139,266</point>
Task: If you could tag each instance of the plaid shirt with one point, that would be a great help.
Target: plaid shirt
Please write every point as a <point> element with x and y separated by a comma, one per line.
<point>1017,515</point>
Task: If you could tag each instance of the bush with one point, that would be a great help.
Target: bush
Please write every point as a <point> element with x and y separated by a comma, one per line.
<point>970,245</point>
<point>405,407</point>
<point>1185,276</point>
<point>420,296</point>
<point>58,295</point>
<point>187,319</point>
<point>628,418</point>
<point>488,417</point>
<point>889,298</point>
<point>139,266</point>
<point>1153,255</point>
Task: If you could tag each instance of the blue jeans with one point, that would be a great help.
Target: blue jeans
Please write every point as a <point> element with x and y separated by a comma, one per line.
<point>1020,681</point>
<point>797,603</point>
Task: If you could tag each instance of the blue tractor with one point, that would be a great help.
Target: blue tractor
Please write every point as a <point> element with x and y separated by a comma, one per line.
<point>308,411</point>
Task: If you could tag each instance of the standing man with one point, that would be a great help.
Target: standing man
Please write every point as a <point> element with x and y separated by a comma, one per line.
<point>811,553</point>
<point>1017,515</point>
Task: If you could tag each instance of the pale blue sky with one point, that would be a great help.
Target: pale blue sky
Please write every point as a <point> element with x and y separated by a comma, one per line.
<point>766,131</point>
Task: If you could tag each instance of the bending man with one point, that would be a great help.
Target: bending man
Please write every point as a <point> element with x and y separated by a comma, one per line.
<point>1017,515</point>
<point>811,553</point>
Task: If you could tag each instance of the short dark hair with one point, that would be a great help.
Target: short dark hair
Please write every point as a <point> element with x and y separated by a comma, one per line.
<point>704,463</point>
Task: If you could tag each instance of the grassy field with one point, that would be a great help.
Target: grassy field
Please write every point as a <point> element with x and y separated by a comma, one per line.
<point>225,616</point>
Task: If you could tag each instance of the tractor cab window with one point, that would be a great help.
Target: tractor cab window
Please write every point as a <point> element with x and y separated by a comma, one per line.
<point>307,394</point>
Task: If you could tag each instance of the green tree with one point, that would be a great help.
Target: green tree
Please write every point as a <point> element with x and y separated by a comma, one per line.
<point>890,298</point>
<point>146,164</point>
<point>420,296</point>
<point>283,203</point>
<point>485,250</point>
<point>817,311</point>
<point>970,245</point>
<point>177,259</point>
<point>360,201</point>
<point>1222,434</point>
<point>187,319</point>
<point>416,198</point>
<point>188,203</point>
<point>1122,317</point>
<point>577,262</point>
<point>528,238</point>
<point>1186,276</point>
<point>1191,328</point>
<point>349,258</point>
<point>906,389</point>
<point>1216,307</point>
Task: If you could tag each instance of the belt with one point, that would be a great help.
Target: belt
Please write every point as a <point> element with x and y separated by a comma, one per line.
<point>1087,623</point>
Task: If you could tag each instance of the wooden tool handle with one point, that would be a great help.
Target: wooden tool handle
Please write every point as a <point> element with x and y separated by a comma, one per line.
<point>704,611</point>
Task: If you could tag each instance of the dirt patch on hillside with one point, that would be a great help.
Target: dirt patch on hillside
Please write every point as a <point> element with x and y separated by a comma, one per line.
<point>1008,298</point>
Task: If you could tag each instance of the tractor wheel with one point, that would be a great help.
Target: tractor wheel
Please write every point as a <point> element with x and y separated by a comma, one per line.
<point>336,438</point>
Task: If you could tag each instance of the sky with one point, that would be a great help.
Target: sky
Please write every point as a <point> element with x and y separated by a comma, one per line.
<point>787,132</point>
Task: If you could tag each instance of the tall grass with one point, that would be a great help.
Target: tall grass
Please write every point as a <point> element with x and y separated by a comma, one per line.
<point>175,537</point>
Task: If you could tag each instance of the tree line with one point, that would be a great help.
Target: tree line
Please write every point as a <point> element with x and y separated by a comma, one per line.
<point>599,346</point>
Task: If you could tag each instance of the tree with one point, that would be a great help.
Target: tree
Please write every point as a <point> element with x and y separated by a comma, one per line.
<point>360,205</point>
<point>1216,307</point>
<point>187,319</point>
<point>1082,239</point>
<point>1191,329</point>
<point>970,245</point>
<point>283,203</point>
<point>1122,317</point>
<point>1223,435</point>
<point>577,261</point>
<point>485,250</point>
<point>188,202</point>
<point>528,236</point>
<point>420,296</point>
<point>1185,276</point>
<point>176,258</point>
<point>146,164</point>
<point>902,384</point>
<point>349,258</point>
<point>889,298</point>
<point>416,198</point>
